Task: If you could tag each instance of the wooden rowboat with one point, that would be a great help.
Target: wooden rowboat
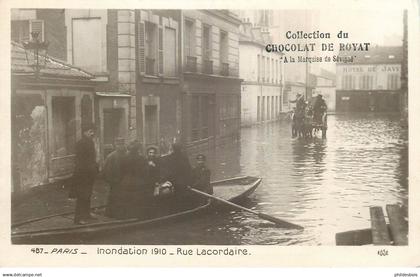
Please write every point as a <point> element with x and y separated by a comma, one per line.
<point>57,228</point>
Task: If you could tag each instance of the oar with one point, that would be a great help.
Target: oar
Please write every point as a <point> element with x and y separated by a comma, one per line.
<point>278,221</point>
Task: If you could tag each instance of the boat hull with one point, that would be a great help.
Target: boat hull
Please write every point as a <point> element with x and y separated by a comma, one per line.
<point>234,189</point>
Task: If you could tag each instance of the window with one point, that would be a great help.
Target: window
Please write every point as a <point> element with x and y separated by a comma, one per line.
<point>87,44</point>
<point>258,109</point>
<point>170,53</point>
<point>268,70</point>
<point>230,118</point>
<point>263,109</point>
<point>258,68</point>
<point>272,70</point>
<point>189,45</point>
<point>206,50</point>
<point>150,48</point>
<point>200,117</point>
<point>224,47</point>
<point>263,68</point>
<point>206,43</point>
<point>64,126</point>
<point>272,107</point>
<point>366,82</point>
<point>21,29</point>
<point>393,81</point>
<point>224,50</point>
<point>348,82</point>
<point>285,97</point>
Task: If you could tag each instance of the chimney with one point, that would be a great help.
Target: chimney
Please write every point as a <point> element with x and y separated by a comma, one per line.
<point>265,33</point>
<point>247,26</point>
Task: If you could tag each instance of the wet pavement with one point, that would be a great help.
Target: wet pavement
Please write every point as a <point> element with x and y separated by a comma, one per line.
<point>325,185</point>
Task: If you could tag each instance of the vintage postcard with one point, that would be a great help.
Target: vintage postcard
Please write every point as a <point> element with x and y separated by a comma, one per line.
<point>210,134</point>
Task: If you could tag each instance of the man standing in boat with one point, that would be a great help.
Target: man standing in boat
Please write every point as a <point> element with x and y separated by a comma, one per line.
<point>85,172</point>
<point>179,173</point>
<point>201,177</point>
<point>112,174</point>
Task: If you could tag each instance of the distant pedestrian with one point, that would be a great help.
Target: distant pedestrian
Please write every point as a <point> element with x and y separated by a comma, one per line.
<point>85,172</point>
<point>112,174</point>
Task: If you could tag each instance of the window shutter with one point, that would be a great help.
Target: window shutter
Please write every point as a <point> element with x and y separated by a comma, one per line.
<point>141,47</point>
<point>160,50</point>
<point>37,26</point>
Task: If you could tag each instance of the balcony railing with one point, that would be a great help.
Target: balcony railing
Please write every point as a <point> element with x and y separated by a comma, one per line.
<point>207,67</point>
<point>225,69</point>
<point>191,65</point>
<point>150,66</point>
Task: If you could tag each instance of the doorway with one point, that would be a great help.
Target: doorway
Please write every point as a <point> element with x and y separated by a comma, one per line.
<point>113,128</point>
<point>151,127</point>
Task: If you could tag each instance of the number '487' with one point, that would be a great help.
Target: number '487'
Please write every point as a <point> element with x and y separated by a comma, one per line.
<point>383,252</point>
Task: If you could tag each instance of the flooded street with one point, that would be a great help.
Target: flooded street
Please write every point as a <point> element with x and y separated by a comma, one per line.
<point>324,185</point>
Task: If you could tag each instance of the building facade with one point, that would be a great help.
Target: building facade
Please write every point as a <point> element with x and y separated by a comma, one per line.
<point>159,76</point>
<point>325,85</point>
<point>298,77</point>
<point>211,88</point>
<point>372,82</point>
<point>262,74</point>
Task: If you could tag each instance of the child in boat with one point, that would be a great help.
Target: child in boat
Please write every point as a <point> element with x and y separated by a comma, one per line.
<point>201,176</point>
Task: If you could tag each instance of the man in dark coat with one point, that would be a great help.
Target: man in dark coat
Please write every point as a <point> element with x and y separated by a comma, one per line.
<point>112,174</point>
<point>201,175</point>
<point>85,172</point>
<point>201,178</point>
<point>179,173</point>
<point>129,189</point>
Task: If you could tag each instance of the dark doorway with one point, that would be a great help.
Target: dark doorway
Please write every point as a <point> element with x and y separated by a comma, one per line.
<point>151,125</point>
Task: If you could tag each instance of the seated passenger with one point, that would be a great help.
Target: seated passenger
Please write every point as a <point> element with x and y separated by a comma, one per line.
<point>151,179</point>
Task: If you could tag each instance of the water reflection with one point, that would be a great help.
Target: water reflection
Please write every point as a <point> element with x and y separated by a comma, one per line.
<point>324,185</point>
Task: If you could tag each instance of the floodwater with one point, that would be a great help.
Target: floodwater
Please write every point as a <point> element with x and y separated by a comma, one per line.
<point>325,185</point>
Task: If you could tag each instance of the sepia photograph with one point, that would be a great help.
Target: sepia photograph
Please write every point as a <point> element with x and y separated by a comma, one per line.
<point>209,127</point>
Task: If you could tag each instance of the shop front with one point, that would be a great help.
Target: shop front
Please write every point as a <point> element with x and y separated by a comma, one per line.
<point>48,110</point>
